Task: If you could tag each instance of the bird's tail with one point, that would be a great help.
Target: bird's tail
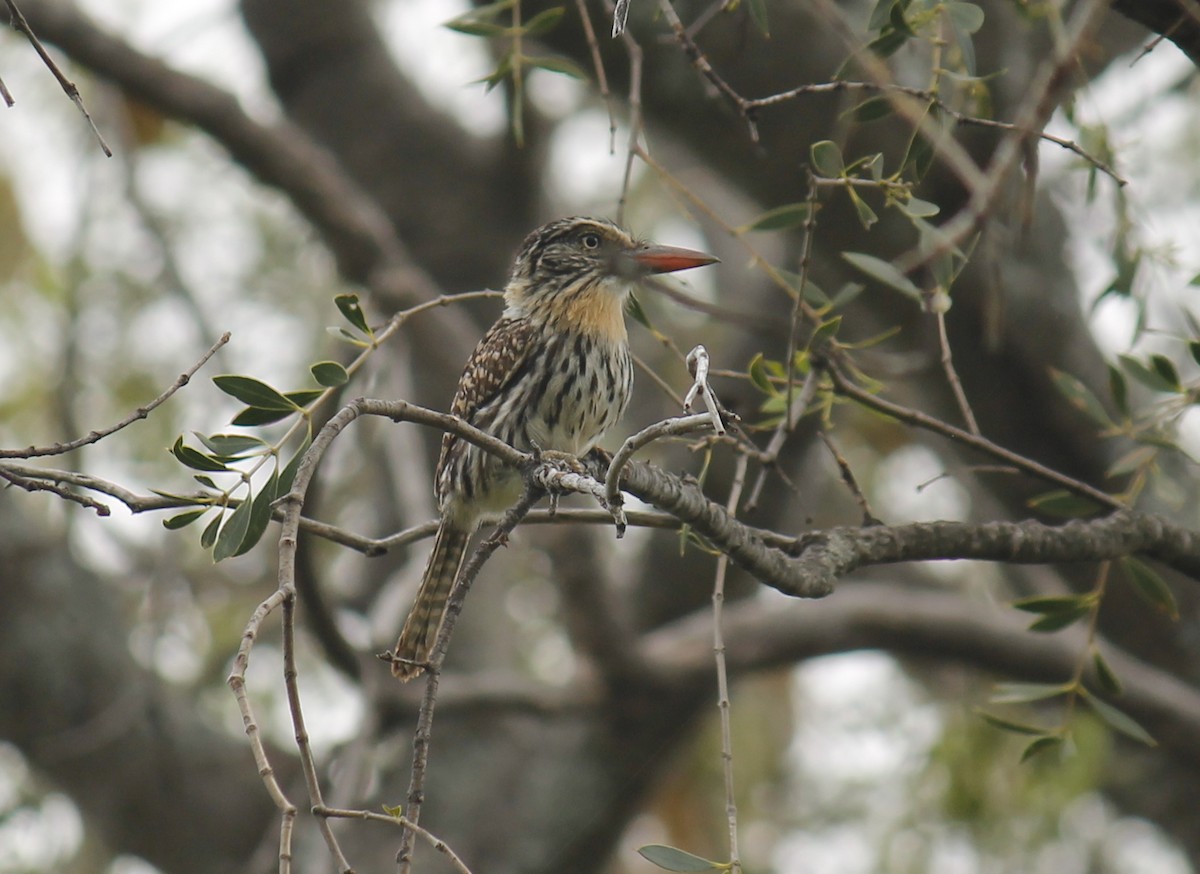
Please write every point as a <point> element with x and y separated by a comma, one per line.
<point>420,629</point>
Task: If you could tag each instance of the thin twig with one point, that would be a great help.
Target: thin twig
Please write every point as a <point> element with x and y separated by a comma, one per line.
<point>422,735</point>
<point>589,34</point>
<point>723,704</point>
<point>39,485</point>
<point>770,456</point>
<point>667,428</point>
<point>844,386</point>
<point>947,361</point>
<point>697,364</point>
<point>425,835</point>
<point>851,481</point>
<point>139,413</point>
<point>19,24</point>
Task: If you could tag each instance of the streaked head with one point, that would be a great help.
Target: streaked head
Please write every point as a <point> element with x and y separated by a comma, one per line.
<point>574,255</point>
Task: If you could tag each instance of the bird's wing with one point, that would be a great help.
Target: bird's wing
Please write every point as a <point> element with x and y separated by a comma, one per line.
<point>496,362</point>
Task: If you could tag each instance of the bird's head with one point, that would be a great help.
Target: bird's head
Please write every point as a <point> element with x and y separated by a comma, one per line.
<point>583,268</point>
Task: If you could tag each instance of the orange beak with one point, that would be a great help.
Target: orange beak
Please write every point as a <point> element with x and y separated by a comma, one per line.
<point>668,259</point>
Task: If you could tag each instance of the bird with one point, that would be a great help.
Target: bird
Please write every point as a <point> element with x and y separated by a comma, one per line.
<point>553,374</point>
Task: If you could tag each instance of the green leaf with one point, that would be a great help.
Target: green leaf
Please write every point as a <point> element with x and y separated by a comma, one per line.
<point>827,159</point>
<point>289,472</point>
<point>1046,605</point>
<point>1023,693</point>
<point>866,215</point>
<point>1041,745</point>
<point>872,109</point>
<point>260,515</point>
<point>195,459</point>
<point>329,373</point>
<point>233,532</point>
<point>229,446</point>
<point>1119,720</point>
<point>349,307</point>
<point>966,16</point>
<point>1152,379</point>
<point>758,12</point>
<point>824,332</point>
<point>253,392</point>
<point>918,208</point>
<point>1153,588</point>
<point>1135,459</point>
<point>209,537</point>
<point>1165,368</point>
<point>304,397</point>
<point>1005,724</point>
<point>672,859</point>
<point>183,519</point>
<point>758,375</point>
<point>252,416</point>
<point>1060,502</point>
<point>633,306</point>
<point>789,215</point>
<point>1106,677</point>
<point>474,27</point>
<point>557,65</point>
<point>1052,622</point>
<point>1080,396</point>
<point>886,44</point>
<point>1118,390</point>
<point>543,22</point>
<point>884,272</point>
<point>846,294</point>
<point>1194,349</point>
<point>344,335</point>
<point>204,480</point>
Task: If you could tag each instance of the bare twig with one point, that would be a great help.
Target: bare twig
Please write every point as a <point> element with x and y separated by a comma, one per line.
<point>666,428</point>
<point>770,456</point>
<point>139,413</point>
<point>844,386</point>
<point>422,736</point>
<point>723,704</point>
<point>18,23</point>
<point>371,816</point>
<point>697,364</point>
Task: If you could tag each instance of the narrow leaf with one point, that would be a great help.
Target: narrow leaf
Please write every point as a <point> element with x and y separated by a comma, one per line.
<point>1118,390</point>
<point>1057,621</point>
<point>884,272</point>
<point>183,519</point>
<point>1106,677</point>
<point>253,392</point>
<point>195,459</point>
<point>787,216</point>
<point>1005,724</point>
<point>758,12</point>
<point>866,215</point>
<point>758,375</point>
<point>304,397</point>
<point>233,532</point>
<point>230,445</point>
<point>329,373</point>
<point>557,65</point>
<point>209,537</point>
<point>918,208</point>
<point>260,515</point>
<point>672,859</point>
<point>1060,502</point>
<point>252,416</point>
<point>349,307</point>
<point>1023,693</point>
<point>1145,375</point>
<point>1042,745</point>
<point>1119,720</point>
<point>1080,396</point>
<point>1047,605</point>
<point>1165,368</point>
<point>544,21</point>
<point>1153,588</point>
<point>967,16</point>
<point>872,109</point>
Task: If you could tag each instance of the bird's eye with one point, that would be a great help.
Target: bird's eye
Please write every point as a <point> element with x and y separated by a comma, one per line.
<point>590,241</point>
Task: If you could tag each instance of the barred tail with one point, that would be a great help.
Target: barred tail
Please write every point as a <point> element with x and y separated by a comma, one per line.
<point>421,628</point>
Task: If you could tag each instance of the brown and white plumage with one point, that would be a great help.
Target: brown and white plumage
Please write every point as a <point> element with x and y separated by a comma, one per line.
<point>553,372</point>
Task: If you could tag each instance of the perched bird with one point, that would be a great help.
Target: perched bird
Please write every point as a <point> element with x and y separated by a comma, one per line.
<point>554,372</point>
